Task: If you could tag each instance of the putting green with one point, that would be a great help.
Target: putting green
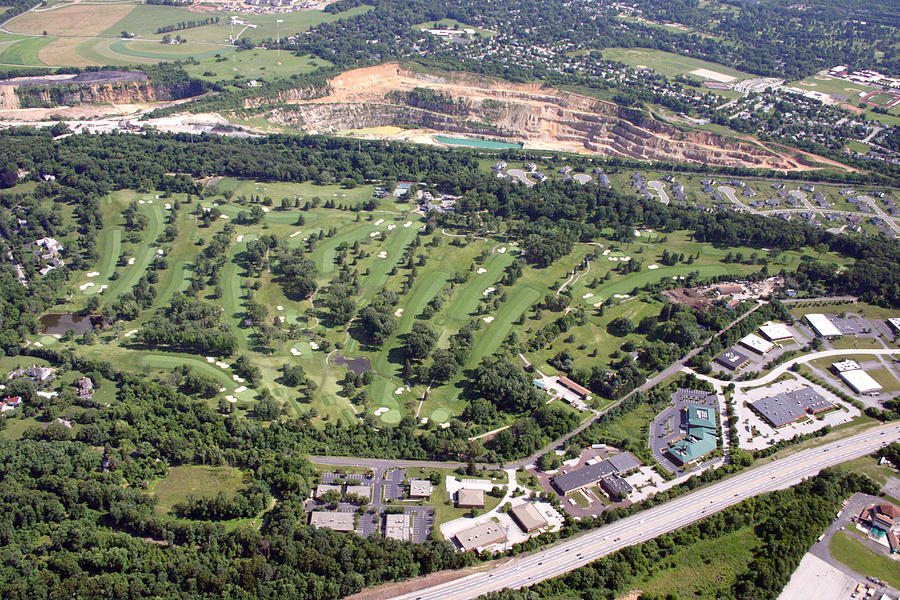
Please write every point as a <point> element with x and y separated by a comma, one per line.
<point>392,417</point>
<point>47,340</point>
<point>441,415</point>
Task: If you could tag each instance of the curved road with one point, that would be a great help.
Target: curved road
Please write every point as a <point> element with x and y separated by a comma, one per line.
<point>645,525</point>
<point>780,369</point>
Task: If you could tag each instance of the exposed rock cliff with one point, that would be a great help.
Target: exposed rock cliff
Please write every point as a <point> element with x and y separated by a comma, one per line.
<point>540,117</point>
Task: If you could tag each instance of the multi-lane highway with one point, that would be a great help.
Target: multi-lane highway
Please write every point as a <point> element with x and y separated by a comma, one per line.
<point>648,524</point>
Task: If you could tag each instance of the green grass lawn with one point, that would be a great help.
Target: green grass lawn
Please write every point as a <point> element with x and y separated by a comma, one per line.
<point>200,481</point>
<point>854,555</point>
<point>887,379</point>
<point>381,264</point>
<point>259,64</point>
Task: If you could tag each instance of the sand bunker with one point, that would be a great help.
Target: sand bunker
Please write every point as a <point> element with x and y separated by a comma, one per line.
<point>295,352</point>
<point>295,234</point>
<point>488,319</point>
<point>85,286</point>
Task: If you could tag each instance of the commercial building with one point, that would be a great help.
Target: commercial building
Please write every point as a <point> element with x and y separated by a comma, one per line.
<point>572,386</point>
<point>894,322</point>
<point>785,408</point>
<point>528,518</point>
<point>775,332</point>
<point>338,521</point>
<point>324,488</point>
<point>755,343</point>
<point>854,376</point>
<point>822,325</point>
<point>591,474</point>
<point>700,434</point>
<point>732,359</point>
<point>363,491</point>
<point>861,382</point>
<point>419,488</point>
<point>397,527</point>
<point>481,537</point>
<point>470,498</point>
<point>616,487</point>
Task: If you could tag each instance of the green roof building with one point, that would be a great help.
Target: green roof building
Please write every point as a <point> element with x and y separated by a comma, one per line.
<point>699,425</point>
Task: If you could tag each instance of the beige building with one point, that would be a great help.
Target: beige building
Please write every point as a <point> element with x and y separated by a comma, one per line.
<point>338,521</point>
<point>481,537</point>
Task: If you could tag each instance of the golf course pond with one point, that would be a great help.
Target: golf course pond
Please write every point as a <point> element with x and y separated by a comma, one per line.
<point>61,322</point>
<point>358,365</point>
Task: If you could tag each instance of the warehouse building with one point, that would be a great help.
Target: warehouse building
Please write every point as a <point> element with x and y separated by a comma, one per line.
<point>470,498</point>
<point>775,332</point>
<point>396,527</point>
<point>591,474</point>
<point>785,408</point>
<point>822,325</point>
<point>854,376</point>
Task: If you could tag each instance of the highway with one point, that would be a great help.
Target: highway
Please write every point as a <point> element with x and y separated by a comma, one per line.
<point>645,525</point>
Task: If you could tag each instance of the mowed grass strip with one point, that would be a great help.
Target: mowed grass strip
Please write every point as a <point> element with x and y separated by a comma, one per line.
<point>489,338</point>
<point>25,53</point>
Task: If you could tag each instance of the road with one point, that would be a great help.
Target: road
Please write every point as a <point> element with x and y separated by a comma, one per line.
<point>646,525</point>
<point>800,196</point>
<point>660,189</point>
<point>780,369</point>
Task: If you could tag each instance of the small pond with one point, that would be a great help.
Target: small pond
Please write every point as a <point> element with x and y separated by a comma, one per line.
<point>358,364</point>
<point>61,322</point>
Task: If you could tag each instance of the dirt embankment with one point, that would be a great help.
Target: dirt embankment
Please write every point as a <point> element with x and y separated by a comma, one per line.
<point>540,117</point>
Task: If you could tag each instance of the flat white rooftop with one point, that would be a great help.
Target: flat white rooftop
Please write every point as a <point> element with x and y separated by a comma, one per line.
<point>822,325</point>
<point>756,343</point>
<point>861,382</point>
<point>776,331</point>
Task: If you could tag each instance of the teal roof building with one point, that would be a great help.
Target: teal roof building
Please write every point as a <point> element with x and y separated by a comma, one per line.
<point>699,425</point>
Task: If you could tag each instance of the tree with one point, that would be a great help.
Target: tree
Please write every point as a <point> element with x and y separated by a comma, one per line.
<point>420,341</point>
<point>505,384</point>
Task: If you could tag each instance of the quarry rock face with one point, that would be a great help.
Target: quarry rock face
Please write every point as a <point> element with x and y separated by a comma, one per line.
<point>538,116</point>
